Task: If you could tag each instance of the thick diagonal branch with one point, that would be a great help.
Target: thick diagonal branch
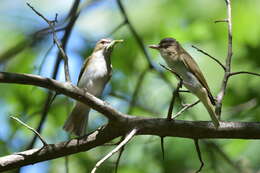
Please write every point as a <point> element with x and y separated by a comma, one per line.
<point>119,125</point>
<point>64,88</point>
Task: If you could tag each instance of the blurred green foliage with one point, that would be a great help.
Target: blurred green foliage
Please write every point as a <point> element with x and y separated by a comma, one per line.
<point>190,22</point>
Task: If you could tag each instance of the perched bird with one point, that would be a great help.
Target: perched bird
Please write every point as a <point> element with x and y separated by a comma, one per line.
<point>184,65</point>
<point>94,75</point>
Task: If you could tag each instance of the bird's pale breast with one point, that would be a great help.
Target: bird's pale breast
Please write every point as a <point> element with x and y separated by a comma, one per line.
<point>190,81</point>
<point>95,75</point>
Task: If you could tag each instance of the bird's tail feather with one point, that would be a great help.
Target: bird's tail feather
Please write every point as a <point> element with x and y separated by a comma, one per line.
<point>78,120</point>
<point>210,108</point>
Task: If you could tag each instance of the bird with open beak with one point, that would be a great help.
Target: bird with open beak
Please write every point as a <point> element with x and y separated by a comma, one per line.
<point>95,73</point>
<point>184,65</point>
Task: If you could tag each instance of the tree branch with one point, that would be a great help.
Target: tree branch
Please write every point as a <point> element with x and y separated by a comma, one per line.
<point>53,151</point>
<point>222,92</point>
<point>119,125</point>
<point>56,41</point>
<point>64,88</point>
<point>73,14</point>
<point>196,142</point>
<point>30,128</point>
<point>188,106</point>
<point>122,144</point>
<point>243,72</point>
<point>148,126</point>
<point>205,53</point>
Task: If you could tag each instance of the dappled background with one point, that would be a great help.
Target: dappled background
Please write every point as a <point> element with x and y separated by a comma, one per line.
<point>135,88</point>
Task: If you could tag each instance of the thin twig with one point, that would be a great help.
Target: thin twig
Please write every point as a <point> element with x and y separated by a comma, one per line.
<point>205,53</point>
<point>172,71</point>
<point>243,72</point>
<point>162,147</point>
<point>123,143</point>
<point>228,61</point>
<point>185,108</point>
<point>119,155</point>
<point>56,41</point>
<point>196,142</point>
<point>175,92</point>
<point>221,20</point>
<point>30,128</point>
<point>64,42</point>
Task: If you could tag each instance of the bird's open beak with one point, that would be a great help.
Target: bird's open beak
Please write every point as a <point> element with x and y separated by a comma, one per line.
<point>154,46</point>
<point>113,43</point>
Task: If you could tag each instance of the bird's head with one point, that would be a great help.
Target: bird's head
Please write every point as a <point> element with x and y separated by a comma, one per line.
<point>167,47</point>
<point>106,45</point>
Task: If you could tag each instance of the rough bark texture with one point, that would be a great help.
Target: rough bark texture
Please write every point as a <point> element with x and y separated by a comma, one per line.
<point>119,125</point>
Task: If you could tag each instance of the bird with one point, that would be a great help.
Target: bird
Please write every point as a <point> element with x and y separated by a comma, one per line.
<point>181,62</point>
<point>94,75</point>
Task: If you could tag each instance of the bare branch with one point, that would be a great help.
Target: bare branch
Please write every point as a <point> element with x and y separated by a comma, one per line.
<point>221,20</point>
<point>56,41</point>
<point>172,71</point>
<point>175,94</point>
<point>30,128</point>
<point>222,92</point>
<point>185,108</point>
<point>73,14</point>
<point>243,72</point>
<point>205,53</point>
<point>155,126</point>
<point>196,142</point>
<point>123,143</point>
<point>64,88</point>
<point>53,151</point>
<point>162,147</point>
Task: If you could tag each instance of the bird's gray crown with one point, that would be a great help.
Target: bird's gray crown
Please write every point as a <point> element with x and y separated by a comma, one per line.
<point>167,42</point>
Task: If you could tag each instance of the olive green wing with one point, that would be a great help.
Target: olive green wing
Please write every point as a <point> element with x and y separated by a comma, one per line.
<point>83,68</point>
<point>194,68</point>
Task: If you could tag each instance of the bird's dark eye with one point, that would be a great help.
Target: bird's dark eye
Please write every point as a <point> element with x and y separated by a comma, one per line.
<point>103,42</point>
